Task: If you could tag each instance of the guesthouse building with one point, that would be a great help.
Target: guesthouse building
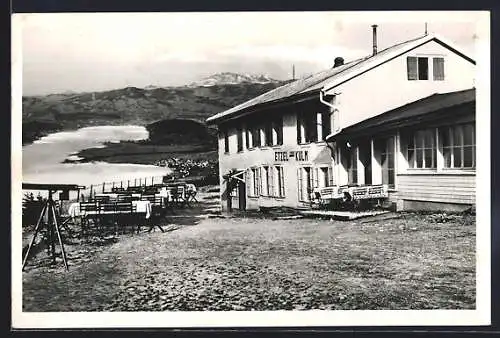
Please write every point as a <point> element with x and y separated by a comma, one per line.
<point>382,119</point>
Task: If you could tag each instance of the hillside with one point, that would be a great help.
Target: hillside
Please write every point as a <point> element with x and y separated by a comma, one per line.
<point>139,106</point>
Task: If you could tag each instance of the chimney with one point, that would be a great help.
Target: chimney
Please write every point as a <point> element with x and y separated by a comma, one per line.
<point>374,39</point>
<point>338,62</point>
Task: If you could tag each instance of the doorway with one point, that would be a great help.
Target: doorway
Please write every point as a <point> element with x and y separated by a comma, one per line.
<point>365,157</point>
<point>242,200</point>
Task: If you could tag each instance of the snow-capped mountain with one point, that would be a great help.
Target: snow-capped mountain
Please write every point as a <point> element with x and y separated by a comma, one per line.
<point>232,78</point>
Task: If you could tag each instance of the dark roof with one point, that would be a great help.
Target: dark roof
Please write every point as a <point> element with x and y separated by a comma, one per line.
<point>426,108</point>
<point>314,83</point>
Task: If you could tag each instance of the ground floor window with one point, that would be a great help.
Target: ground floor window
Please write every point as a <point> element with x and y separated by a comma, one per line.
<point>327,173</point>
<point>459,146</point>
<point>280,182</point>
<point>385,147</point>
<point>421,149</point>
<point>352,166</point>
<point>267,181</point>
<point>254,182</point>
<point>305,183</point>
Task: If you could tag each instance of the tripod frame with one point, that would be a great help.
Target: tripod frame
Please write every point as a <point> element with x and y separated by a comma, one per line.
<point>53,229</point>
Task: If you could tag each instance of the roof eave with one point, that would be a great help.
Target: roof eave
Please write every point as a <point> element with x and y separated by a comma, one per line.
<point>283,101</point>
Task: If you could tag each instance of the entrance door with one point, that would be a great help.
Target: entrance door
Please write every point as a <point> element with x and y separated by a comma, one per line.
<point>365,156</point>
<point>242,193</point>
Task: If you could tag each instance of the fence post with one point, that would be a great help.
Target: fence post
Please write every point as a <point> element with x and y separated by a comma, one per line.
<point>90,195</point>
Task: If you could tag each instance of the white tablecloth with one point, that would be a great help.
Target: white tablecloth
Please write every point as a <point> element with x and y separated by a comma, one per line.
<point>165,193</point>
<point>143,207</point>
<point>140,206</point>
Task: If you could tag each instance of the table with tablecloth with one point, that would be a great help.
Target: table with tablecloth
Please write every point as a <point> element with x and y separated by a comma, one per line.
<point>143,207</point>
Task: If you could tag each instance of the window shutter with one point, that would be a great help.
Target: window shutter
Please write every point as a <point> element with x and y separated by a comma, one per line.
<point>299,177</point>
<point>412,68</point>
<point>270,181</point>
<point>282,178</point>
<point>438,68</point>
<point>247,182</point>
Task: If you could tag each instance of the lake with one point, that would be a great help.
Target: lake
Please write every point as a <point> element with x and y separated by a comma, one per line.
<point>42,160</point>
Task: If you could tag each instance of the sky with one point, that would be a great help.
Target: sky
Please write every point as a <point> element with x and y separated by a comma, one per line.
<point>80,52</point>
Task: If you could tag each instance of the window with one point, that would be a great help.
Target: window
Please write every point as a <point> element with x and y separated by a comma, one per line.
<point>267,181</point>
<point>247,138</point>
<point>239,133</point>
<point>277,126</point>
<point>255,175</point>
<point>305,183</point>
<point>226,141</point>
<point>385,147</point>
<point>352,166</point>
<point>280,182</point>
<point>268,134</point>
<point>326,124</point>
<point>421,149</point>
<point>459,146</point>
<point>327,176</point>
<point>255,136</point>
<point>417,68</point>
<point>438,69</point>
<point>307,130</point>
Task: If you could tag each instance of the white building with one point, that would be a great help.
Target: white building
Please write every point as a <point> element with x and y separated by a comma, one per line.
<point>275,144</point>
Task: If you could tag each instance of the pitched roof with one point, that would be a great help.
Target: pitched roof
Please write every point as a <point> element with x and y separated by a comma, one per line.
<point>427,108</point>
<point>329,78</point>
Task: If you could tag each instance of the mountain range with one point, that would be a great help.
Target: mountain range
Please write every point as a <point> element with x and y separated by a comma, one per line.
<point>139,106</point>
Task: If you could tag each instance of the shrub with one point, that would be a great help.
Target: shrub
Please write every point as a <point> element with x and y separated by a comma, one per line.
<point>31,209</point>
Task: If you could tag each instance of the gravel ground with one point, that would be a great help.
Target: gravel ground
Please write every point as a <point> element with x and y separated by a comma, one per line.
<point>395,261</point>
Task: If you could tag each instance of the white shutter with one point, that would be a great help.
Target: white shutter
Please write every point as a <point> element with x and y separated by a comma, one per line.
<point>412,68</point>
<point>438,68</point>
<point>282,178</point>
<point>300,187</point>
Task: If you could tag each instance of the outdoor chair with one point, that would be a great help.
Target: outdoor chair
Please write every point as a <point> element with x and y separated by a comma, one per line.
<point>125,216</point>
<point>89,212</point>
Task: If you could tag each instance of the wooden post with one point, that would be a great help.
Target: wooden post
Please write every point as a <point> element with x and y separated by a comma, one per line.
<point>135,182</point>
<point>90,195</point>
<point>113,186</point>
<point>103,184</point>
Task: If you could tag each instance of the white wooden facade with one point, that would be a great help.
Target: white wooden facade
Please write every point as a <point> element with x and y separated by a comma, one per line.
<point>283,172</point>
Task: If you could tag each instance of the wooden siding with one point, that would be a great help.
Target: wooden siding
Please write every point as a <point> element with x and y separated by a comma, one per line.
<point>446,188</point>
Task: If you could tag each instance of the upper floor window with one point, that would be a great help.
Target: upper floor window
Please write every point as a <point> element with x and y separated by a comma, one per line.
<point>418,68</point>
<point>313,127</point>
<point>226,141</point>
<point>255,131</point>
<point>277,126</point>
<point>438,68</point>
<point>326,124</point>
<point>268,134</point>
<point>239,134</point>
<point>459,146</point>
